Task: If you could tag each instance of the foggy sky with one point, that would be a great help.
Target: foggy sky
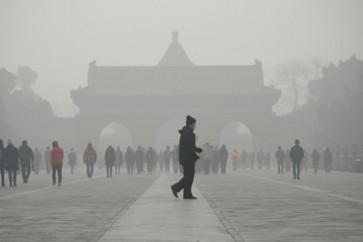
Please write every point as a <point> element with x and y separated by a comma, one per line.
<point>58,38</point>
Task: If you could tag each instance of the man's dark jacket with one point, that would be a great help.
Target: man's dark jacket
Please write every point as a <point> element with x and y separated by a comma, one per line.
<point>11,158</point>
<point>296,154</point>
<point>187,148</point>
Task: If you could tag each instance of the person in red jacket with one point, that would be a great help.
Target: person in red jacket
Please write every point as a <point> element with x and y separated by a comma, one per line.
<point>56,158</point>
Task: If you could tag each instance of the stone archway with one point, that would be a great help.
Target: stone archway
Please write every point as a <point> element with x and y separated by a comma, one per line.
<point>167,134</point>
<point>115,134</point>
<point>236,135</point>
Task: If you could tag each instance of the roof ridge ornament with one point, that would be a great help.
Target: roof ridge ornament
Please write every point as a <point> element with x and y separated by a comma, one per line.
<point>175,36</point>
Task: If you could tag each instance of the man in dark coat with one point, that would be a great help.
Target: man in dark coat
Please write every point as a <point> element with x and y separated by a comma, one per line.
<point>187,158</point>
<point>280,157</point>
<point>2,163</point>
<point>129,159</point>
<point>48,166</point>
<point>296,155</point>
<point>11,158</point>
<point>223,157</point>
<point>26,157</point>
<point>90,159</point>
<point>139,159</point>
<point>110,158</point>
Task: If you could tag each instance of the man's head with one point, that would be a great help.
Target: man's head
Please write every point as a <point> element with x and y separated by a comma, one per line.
<point>297,142</point>
<point>10,142</point>
<point>1,143</point>
<point>191,122</point>
<point>279,148</point>
<point>24,142</point>
<point>55,144</point>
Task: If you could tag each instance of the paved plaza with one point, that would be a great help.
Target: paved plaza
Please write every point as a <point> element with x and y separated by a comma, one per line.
<point>240,206</point>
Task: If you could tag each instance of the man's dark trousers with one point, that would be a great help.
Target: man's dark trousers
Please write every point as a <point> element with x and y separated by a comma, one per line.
<point>186,182</point>
<point>25,171</point>
<point>296,169</point>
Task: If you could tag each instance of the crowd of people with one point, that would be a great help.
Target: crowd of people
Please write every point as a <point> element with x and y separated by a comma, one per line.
<point>213,160</point>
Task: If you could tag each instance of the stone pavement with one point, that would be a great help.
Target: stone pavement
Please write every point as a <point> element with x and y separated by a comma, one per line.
<point>240,206</point>
<point>263,206</point>
<point>158,216</point>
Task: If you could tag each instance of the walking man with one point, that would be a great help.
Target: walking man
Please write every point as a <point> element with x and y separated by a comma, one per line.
<point>26,157</point>
<point>11,159</point>
<point>90,159</point>
<point>296,155</point>
<point>56,159</point>
<point>110,160</point>
<point>187,158</point>
<point>280,157</point>
<point>72,159</point>
<point>48,165</point>
<point>2,163</point>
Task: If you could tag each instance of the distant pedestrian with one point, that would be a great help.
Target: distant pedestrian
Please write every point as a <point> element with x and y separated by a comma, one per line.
<point>90,159</point>
<point>315,160</point>
<point>268,160</point>
<point>129,159</point>
<point>48,165</point>
<point>260,159</point>
<point>287,161</point>
<point>119,160</point>
<point>2,163</point>
<point>235,158</point>
<point>175,159</point>
<point>251,158</point>
<point>26,158</point>
<point>110,158</point>
<point>56,158</point>
<point>280,157</point>
<point>150,159</point>
<point>244,159</point>
<point>215,161</point>
<point>11,159</point>
<point>207,157</point>
<point>328,159</point>
<point>223,157</point>
<point>167,158</point>
<point>72,159</point>
<point>296,155</point>
<point>37,161</point>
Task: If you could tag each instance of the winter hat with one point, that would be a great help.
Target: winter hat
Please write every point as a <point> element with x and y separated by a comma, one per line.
<point>191,120</point>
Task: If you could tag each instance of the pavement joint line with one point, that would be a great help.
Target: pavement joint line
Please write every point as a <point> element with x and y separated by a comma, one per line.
<point>45,188</point>
<point>311,189</point>
<point>224,221</point>
<point>122,211</point>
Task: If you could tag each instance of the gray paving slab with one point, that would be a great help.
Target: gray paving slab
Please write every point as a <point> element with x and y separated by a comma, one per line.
<point>158,216</point>
<point>262,206</point>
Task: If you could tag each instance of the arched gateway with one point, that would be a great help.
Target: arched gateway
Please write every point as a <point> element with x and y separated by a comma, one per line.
<point>144,98</point>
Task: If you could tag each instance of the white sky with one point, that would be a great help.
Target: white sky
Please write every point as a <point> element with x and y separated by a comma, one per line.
<point>58,38</point>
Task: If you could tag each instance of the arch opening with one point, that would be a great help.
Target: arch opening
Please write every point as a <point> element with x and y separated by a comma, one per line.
<point>236,135</point>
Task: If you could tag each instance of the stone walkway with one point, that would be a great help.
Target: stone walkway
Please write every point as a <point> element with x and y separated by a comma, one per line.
<point>158,216</point>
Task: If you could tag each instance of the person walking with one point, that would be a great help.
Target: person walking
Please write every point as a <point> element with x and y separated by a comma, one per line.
<point>11,160</point>
<point>129,159</point>
<point>328,159</point>
<point>72,159</point>
<point>215,161</point>
<point>48,165</point>
<point>315,160</point>
<point>296,155</point>
<point>223,157</point>
<point>110,158</point>
<point>235,158</point>
<point>187,158</point>
<point>150,159</point>
<point>167,158</point>
<point>119,160</point>
<point>175,159</point>
<point>280,157</point>
<point>244,159</point>
<point>2,163</point>
<point>207,157</point>
<point>90,159</point>
<point>252,158</point>
<point>26,158</point>
<point>37,161</point>
<point>56,159</point>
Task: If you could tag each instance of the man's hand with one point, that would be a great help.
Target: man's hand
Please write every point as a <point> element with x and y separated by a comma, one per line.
<point>199,150</point>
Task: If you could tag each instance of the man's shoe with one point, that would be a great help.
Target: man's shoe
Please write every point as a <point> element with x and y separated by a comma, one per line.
<point>174,192</point>
<point>3,185</point>
<point>190,197</point>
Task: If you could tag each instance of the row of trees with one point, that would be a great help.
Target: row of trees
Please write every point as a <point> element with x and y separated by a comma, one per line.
<point>18,100</point>
<point>332,94</point>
